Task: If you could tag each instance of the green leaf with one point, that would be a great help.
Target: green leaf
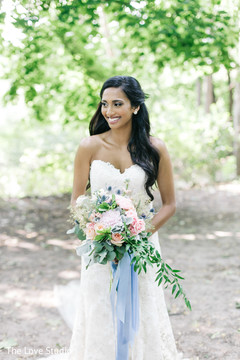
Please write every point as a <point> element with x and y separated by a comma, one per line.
<point>135,267</point>
<point>120,249</point>
<point>178,293</point>
<point>174,288</point>
<point>71,231</point>
<point>179,277</point>
<point>99,238</point>
<point>169,267</point>
<point>83,249</point>
<point>108,246</point>
<point>103,255</point>
<point>98,247</point>
<point>104,261</point>
<point>166,278</point>
<point>103,207</point>
<point>111,256</point>
<point>159,275</point>
<point>80,233</point>
<point>187,302</point>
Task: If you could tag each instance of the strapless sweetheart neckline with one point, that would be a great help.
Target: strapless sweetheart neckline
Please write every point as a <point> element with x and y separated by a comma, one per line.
<point>113,167</point>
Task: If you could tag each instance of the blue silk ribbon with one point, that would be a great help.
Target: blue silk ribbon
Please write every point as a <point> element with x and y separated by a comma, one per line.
<point>125,307</point>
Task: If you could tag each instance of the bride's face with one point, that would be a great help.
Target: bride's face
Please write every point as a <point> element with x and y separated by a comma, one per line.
<point>116,107</point>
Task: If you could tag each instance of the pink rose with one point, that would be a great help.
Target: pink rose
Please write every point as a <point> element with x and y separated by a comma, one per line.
<point>99,227</point>
<point>90,231</point>
<point>137,226</point>
<point>124,203</point>
<point>117,239</point>
<point>132,214</point>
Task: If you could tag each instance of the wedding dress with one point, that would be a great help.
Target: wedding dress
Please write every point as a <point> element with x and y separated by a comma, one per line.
<point>93,336</point>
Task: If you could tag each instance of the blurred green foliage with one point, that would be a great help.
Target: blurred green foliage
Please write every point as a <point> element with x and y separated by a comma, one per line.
<point>66,49</point>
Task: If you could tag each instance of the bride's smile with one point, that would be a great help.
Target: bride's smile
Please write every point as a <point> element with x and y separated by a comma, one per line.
<point>116,107</point>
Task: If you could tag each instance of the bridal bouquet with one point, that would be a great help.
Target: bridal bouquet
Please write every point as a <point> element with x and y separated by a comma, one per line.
<point>113,223</point>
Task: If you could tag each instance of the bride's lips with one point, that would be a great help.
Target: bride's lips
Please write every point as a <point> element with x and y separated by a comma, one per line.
<point>113,120</point>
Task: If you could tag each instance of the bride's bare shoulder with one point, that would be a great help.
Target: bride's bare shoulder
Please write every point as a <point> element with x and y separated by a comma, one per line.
<point>159,144</point>
<point>91,141</point>
<point>90,144</point>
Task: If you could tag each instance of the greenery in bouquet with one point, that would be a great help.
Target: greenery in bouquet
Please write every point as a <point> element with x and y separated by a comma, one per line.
<point>113,222</point>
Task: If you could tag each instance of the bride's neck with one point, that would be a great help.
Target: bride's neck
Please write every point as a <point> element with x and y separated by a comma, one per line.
<point>120,137</point>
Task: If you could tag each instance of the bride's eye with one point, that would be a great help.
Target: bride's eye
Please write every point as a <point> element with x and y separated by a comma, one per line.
<point>104,104</point>
<point>118,104</point>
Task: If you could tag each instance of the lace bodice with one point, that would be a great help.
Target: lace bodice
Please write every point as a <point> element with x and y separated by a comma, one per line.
<point>104,174</point>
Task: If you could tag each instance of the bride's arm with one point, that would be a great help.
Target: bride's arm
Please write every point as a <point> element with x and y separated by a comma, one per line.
<point>81,169</point>
<point>166,186</point>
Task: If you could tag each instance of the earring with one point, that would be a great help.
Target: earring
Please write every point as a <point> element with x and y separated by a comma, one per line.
<point>135,112</point>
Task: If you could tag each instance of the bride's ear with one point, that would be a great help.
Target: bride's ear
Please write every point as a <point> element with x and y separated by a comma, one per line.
<point>136,109</point>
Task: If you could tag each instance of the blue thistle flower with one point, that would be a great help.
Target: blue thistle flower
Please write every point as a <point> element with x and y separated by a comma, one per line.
<point>152,210</point>
<point>118,192</point>
<point>109,188</point>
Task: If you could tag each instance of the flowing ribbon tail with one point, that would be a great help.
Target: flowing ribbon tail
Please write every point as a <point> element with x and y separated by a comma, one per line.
<point>126,307</point>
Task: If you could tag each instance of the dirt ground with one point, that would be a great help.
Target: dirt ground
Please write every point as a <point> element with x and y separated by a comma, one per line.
<point>202,239</point>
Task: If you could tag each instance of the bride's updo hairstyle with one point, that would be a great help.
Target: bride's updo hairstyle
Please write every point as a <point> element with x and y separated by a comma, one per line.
<point>143,153</point>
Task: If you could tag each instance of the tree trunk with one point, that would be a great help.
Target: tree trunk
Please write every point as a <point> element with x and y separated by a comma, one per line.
<point>236,123</point>
<point>210,97</point>
<point>199,91</point>
<point>230,89</point>
<point>105,31</point>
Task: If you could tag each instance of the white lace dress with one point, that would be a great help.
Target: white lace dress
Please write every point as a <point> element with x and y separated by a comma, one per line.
<point>93,333</point>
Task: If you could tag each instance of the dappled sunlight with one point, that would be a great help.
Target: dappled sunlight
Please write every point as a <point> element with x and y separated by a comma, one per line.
<point>223,233</point>
<point>208,236</point>
<point>13,242</point>
<point>230,187</point>
<point>28,300</point>
<point>68,274</point>
<point>189,237</point>
<point>28,246</point>
<point>28,235</point>
<point>61,243</point>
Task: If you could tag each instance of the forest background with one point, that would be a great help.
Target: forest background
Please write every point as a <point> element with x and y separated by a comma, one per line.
<point>55,55</point>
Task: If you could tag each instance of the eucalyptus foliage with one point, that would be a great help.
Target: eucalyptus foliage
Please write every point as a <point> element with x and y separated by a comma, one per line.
<point>99,245</point>
<point>144,253</point>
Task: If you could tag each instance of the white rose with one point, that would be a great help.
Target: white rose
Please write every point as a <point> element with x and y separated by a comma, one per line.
<point>83,201</point>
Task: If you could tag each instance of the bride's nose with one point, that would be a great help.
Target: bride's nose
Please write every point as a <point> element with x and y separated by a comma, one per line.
<point>109,111</point>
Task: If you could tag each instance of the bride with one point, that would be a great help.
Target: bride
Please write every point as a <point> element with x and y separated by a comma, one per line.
<point>120,147</point>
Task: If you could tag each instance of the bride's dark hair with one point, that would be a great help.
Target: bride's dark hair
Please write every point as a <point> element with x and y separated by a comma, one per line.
<point>142,152</point>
